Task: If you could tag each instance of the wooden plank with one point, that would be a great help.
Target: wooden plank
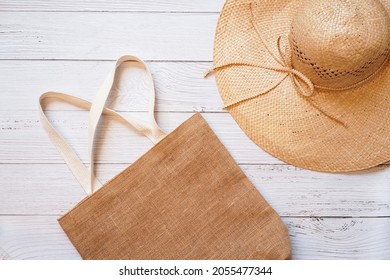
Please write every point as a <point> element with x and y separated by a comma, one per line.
<point>73,35</point>
<point>50,189</point>
<point>29,237</point>
<point>114,5</point>
<point>17,126</point>
<point>37,237</point>
<point>298,192</point>
<point>180,86</point>
<point>322,238</point>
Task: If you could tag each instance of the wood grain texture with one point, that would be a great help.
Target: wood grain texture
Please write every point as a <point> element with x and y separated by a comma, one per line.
<point>40,237</point>
<point>113,6</point>
<point>323,238</point>
<point>180,86</point>
<point>70,46</point>
<point>50,189</point>
<point>33,237</point>
<point>68,35</point>
<point>115,143</point>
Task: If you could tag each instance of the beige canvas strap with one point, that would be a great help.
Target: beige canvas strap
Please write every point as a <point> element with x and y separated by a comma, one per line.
<point>86,176</point>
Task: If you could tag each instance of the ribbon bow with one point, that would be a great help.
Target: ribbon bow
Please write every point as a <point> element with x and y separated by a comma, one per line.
<point>303,85</point>
<point>301,82</point>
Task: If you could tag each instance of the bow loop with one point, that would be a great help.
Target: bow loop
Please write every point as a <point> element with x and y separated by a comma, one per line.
<point>282,64</point>
<point>301,82</point>
<point>303,85</point>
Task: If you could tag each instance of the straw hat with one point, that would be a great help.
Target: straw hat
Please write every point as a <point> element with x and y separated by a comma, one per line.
<point>308,81</point>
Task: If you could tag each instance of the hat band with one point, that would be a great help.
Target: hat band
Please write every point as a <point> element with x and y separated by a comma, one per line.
<point>302,84</point>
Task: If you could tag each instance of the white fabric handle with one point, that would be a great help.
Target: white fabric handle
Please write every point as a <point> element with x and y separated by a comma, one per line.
<point>87,177</point>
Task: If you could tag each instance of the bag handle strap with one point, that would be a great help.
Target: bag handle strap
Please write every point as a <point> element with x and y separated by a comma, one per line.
<point>85,176</point>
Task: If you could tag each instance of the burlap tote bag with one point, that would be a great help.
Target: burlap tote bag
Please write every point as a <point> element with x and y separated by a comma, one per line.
<point>185,198</point>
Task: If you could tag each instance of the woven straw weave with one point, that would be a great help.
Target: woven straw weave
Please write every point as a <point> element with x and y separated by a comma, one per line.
<point>341,47</point>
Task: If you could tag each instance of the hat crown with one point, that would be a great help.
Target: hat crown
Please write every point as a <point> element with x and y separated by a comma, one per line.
<point>339,43</point>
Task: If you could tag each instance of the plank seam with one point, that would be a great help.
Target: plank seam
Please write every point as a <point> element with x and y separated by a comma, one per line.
<point>282,216</point>
<point>113,11</point>
<point>129,163</point>
<point>104,60</point>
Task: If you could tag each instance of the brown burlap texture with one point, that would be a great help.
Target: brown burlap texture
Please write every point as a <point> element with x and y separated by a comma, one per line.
<point>186,198</point>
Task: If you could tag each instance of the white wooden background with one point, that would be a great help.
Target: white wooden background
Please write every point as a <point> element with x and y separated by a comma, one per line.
<point>69,46</point>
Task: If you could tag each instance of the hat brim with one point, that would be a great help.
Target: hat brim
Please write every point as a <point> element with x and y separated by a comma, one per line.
<point>298,130</point>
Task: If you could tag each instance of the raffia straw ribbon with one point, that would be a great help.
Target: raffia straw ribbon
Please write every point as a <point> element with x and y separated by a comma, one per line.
<point>303,85</point>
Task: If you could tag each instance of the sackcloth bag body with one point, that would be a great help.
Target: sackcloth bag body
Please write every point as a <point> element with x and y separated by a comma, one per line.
<point>186,198</point>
